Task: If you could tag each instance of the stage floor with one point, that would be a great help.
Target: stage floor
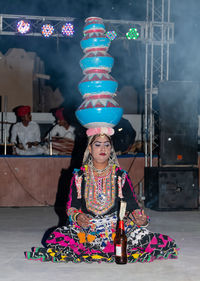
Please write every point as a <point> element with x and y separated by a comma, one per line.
<point>22,228</point>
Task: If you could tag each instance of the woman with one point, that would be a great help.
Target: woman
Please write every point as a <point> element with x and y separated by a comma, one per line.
<point>95,193</point>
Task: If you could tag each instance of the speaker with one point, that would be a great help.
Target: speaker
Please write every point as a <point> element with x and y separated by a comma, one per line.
<point>171,188</point>
<point>178,122</point>
<point>178,144</point>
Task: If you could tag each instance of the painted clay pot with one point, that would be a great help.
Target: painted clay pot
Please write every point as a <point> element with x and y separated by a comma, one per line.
<point>99,111</point>
<point>96,60</point>
<point>92,41</point>
<point>97,81</point>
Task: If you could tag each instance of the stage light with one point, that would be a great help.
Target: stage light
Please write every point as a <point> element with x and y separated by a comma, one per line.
<point>47,30</point>
<point>132,34</point>
<point>67,29</point>
<point>23,26</point>
<point>111,35</point>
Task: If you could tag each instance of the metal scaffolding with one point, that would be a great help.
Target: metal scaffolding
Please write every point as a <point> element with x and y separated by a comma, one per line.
<point>8,24</point>
<point>157,33</point>
<point>160,34</point>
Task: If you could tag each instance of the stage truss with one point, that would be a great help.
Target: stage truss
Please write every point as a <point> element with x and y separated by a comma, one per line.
<point>157,33</point>
<point>8,24</point>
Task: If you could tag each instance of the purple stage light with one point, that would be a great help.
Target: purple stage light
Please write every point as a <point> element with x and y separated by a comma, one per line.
<point>47,30</point>
<point>23,27</point>
<point>68,29</point>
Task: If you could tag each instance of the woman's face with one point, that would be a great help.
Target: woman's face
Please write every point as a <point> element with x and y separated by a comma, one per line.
<point>100,149</point>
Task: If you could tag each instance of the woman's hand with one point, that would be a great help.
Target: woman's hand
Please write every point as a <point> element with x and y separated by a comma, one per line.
<point>83,220</point>
<point>140,218</point>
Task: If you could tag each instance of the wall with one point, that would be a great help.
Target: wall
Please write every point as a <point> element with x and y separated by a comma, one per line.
<point>34,181</point>
<point>16,69</point>
<point>22,82</point>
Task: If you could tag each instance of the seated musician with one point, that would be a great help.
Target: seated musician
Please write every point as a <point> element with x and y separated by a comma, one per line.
<point>25,135</point>
<point>62,135</point>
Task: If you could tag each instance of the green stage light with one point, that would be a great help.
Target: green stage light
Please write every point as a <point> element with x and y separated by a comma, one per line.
<point>132,34</point>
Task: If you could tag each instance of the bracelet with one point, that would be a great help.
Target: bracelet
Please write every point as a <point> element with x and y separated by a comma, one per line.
<point>145,225</point>
<point>75,215</point>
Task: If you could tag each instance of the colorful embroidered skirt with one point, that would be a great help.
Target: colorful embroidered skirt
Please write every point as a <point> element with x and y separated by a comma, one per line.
<point>75,244</point>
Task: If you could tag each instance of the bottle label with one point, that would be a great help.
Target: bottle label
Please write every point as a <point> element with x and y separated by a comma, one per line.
<point>118,249</point>
<point>121,224</point>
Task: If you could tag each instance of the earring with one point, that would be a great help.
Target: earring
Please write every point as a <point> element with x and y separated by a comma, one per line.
<point>90,162</point>
<point>111,160</point>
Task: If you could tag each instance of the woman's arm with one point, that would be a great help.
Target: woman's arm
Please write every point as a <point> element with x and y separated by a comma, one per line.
<point>135,213</point>
<point>129,194</point>
<point>74,203</point>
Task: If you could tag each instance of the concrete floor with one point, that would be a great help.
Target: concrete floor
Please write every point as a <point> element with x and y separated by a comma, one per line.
<point>22,228</point>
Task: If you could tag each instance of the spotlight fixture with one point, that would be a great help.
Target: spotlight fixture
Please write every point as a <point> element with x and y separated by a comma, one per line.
<point>23,26</point>
<point>111,35</point>
<point>67,29</point>
<point>47,30</point>
<point>132,34</point>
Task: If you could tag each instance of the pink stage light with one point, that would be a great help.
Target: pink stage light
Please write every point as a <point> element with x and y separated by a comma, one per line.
<point>68,29</point>
<point>23,27</point>
<point>47,30</point>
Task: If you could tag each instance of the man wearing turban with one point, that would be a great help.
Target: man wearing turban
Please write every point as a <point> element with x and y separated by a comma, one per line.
<point>25,135</point>
<point>62,135</point>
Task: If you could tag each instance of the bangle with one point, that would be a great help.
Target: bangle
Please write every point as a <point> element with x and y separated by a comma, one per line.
<point>145,225</point>
<point>148,220</point>
<point>74,217</point>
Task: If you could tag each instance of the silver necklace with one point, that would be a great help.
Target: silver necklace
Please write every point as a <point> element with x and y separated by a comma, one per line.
<point>100,171</point>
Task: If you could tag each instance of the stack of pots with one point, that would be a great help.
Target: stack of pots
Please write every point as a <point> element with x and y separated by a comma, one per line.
<point>97,87</point>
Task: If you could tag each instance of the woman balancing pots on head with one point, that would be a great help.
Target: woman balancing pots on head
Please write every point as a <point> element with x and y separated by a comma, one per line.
<point>92,207</point>
<point>100,184</point>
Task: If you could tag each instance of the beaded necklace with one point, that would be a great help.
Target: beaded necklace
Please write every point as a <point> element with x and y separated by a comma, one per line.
<point>100,191</point>
<point>99,171</point>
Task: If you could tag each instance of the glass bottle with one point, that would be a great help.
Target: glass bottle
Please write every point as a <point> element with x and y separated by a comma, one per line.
<point>120,243</point>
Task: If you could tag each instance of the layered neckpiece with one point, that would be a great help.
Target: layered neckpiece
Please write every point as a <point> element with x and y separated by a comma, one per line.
<point>100,171</point>
<point>100,191</point>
